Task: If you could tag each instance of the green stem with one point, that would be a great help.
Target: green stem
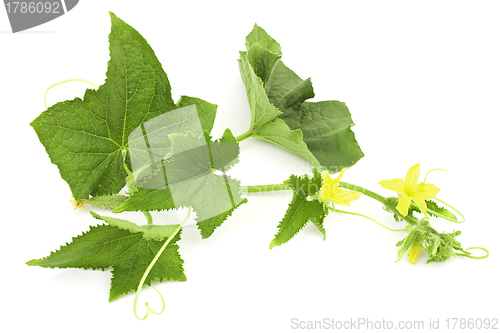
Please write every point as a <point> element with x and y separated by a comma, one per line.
<point>146,273</point>
<point>368,193</point>
<point>371,219</point>
<point>148,217</point>
<point>264,188</point>
<point>65,81</point>
<point>245,135</point>
<point>127,170</point>
<point>379,198</point>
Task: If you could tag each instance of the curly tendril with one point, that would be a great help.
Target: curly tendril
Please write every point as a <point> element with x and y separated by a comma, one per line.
<point>474,248</point>
<point>146,273</point>
<point>65,81</point>
<point>435,169</point>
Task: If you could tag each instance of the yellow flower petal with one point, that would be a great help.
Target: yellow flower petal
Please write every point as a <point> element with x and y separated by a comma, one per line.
<point>412,176</point>
<point>344,198</point>
<point>420,201</point>
<point>425,191</point>
<point>396,185</point>
<point>403,204</point>
<point>327,191</point>
<point>325,175</point>
<point>410,190</point>
<point>337,180</point>
<point>330,192</point>
<point>326,187</point>
<point>414,252</point>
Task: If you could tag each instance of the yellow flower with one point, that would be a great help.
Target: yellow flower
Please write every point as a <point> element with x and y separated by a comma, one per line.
<point>80,204</point>
<point>414,252</point>
<point>410,190</point>
<point>330,191</point>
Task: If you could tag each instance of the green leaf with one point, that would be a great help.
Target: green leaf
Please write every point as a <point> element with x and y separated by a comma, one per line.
<point>285,89</point>
<point>261,109</point>
<point>301,209</point>
<point>208,225</point>
<point>327,139</point>
<point>326,127</point>
<point>440,210</point>
<point>189,178</point>
<point>279,133</point>
<point>86,138</point>
<point>144,199</point>
<point>127,253</point>
<point>149,232</point>
<point>224,151</point>
<point>206,111</point>
<point>261,60</point>
<point>259,35</point>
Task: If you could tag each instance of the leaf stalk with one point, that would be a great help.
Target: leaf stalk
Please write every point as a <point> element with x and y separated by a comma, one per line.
<point>245,135</point>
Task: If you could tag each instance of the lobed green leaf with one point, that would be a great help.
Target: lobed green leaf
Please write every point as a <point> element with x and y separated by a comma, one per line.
<point>86,138</point>
<point>127,253</point>
<point>326,139</point>
<point>301,209</point>
<point>189,179</point>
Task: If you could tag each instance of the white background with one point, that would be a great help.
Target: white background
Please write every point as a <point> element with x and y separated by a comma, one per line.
<point>421,80</point>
